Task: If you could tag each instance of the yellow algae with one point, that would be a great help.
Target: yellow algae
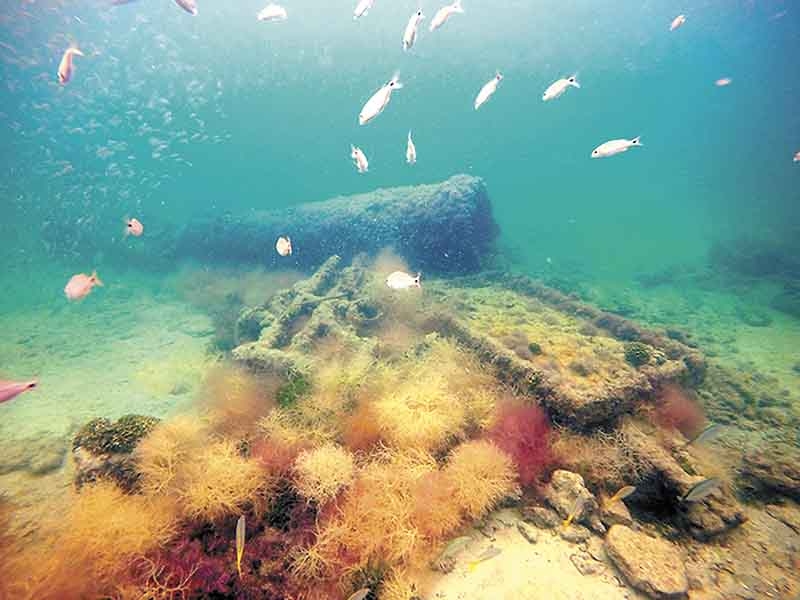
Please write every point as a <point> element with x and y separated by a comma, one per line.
<point>321,473</point>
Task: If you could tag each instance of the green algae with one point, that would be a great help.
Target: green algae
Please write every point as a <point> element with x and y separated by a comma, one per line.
<point>637,354</point>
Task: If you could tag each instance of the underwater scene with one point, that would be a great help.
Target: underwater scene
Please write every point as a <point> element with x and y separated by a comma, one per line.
<point>399,300</point>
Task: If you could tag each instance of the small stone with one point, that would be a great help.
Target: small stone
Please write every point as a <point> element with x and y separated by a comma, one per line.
<point>528,532</point>
<point>585,564</point>
<point>543,518</point>
<point>574,533</point>
<point>596,549</point>
<point>651,565</point>
<point>562,493</point>
<point>616,513</point>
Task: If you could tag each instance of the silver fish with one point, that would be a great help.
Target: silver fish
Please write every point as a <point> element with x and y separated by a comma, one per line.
<point>708,434</point>
<point>700,490</point>
<point>359,595</point>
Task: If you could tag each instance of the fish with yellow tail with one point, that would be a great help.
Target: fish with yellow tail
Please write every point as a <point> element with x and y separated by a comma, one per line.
<point>66,67</point>
<point>240,530</point>
<point>621,494</point>
<point>573,514</point>
<point>487,554</point>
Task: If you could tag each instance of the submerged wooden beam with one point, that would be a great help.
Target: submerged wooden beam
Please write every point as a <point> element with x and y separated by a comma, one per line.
<point>444,228</point>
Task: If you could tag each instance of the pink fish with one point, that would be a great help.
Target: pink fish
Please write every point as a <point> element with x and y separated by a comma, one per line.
<point>189,6</point>
<point>677,22</point>
<point>12,389</point>
<point>80,285</point>
<point>725,81</point>
<point>133,227</point>
<point>65,67</point>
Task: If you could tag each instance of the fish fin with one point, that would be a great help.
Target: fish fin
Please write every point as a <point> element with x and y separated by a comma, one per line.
<point>637,141</point>
<point>614,498</point>
<point>96,279</point>
<point>456,6</point>
<point>472,566</point>
<point>75,50</point>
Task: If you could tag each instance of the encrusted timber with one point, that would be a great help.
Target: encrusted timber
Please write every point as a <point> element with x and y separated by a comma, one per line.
<point>578,413</point>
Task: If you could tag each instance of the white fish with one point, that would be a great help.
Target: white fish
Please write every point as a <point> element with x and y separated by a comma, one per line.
<point>362,8</point>
<point>557,88</point>
<point>411,151</point>
<point>613,147</point>
<point>444,13</point>
<point>677,22</point>
<point>488,90</point>
<point>66,67</point>
<point>379,100</point>
<point>284,246</point>
<point>272,13</point>
<point>796,157</point>
<point>359,158</point>
<point>402,281</point>
<point>410,34</point>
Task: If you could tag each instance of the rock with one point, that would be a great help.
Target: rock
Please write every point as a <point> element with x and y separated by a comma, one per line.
<point>615,513</point>
<point>542,517</point>
<point>37,455</point>
<point>664,481</point>
<point>596,549</point>
<point>652,566</point>
<point>575,533</point>
<point>445,227</point>
<point>774,468</point>
<point>49,460</point>
<point>564,490</point>
<point>528,532</point>
<point>92,467</point>
<point>789,516</point>
<point>586,565</point>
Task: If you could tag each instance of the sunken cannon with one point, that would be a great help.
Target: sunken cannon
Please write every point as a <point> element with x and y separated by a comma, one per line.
<point>442,228</point>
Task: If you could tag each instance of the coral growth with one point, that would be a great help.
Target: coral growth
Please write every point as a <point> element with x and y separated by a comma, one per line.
<point>361,430</point>
<point>524,434</point>
<point>481,475</point>
<point>637,354</point>
<point>322,473</point>
<point>677,409</point>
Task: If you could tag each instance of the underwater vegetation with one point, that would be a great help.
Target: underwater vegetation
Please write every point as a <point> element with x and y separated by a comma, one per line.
<point>675,408</point>
<point>524,434</point>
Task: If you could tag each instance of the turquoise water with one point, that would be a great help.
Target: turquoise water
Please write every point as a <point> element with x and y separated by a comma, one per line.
<point>172,118</point>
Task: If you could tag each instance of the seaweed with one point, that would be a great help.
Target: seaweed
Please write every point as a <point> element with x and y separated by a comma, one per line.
<point>296,387</point>
<point>101,436</point>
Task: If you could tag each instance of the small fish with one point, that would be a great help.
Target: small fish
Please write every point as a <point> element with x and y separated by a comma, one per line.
<point>557,88</point>
<point>133,227</point>
<point>723,82</point>
<point>700,490</point>
<point>284,246</point>
<point>487,554</point>
<point>488,90</point>
<point>410,34</point>
<point>272,13</point>
<point>677,22</point>
<point>379,100</point>
<point>796,157</point>
<point>359,158</point>
<point>623,493</point>
<point>411,151</point>
<point>403,281</point>
<point>573,514</point>
<point>444,13</point>
<point>12,389</point>
<point>359,595</point>
<point>362,8</point>
<point>239,544</point>
<point>66,67</point>
<point>189,6</point>
<point>615,147</point>
<point>708,434</point>
<point>80,285</point>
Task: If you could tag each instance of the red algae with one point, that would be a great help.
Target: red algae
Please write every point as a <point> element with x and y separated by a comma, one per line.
<point>677,409</point>
<point>525,434</point>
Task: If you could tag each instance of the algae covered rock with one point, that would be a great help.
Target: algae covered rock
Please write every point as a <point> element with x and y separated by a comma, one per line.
<point>637,354</point>
<point>566,492</point>
<point>102,449</point>
<point>774,468</point>
<point>651,565</point>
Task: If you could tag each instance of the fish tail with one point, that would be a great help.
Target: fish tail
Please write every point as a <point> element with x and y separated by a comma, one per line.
<point>614,498</point>
<point>456,6</point>
<point>498,75</point>
<point>96,279</point>
<point>573,81</point>
<point>472,566</point>
<point>396,80</point>
<point>75,50</point>
<point>568,521</point>
<point>637,141</point>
